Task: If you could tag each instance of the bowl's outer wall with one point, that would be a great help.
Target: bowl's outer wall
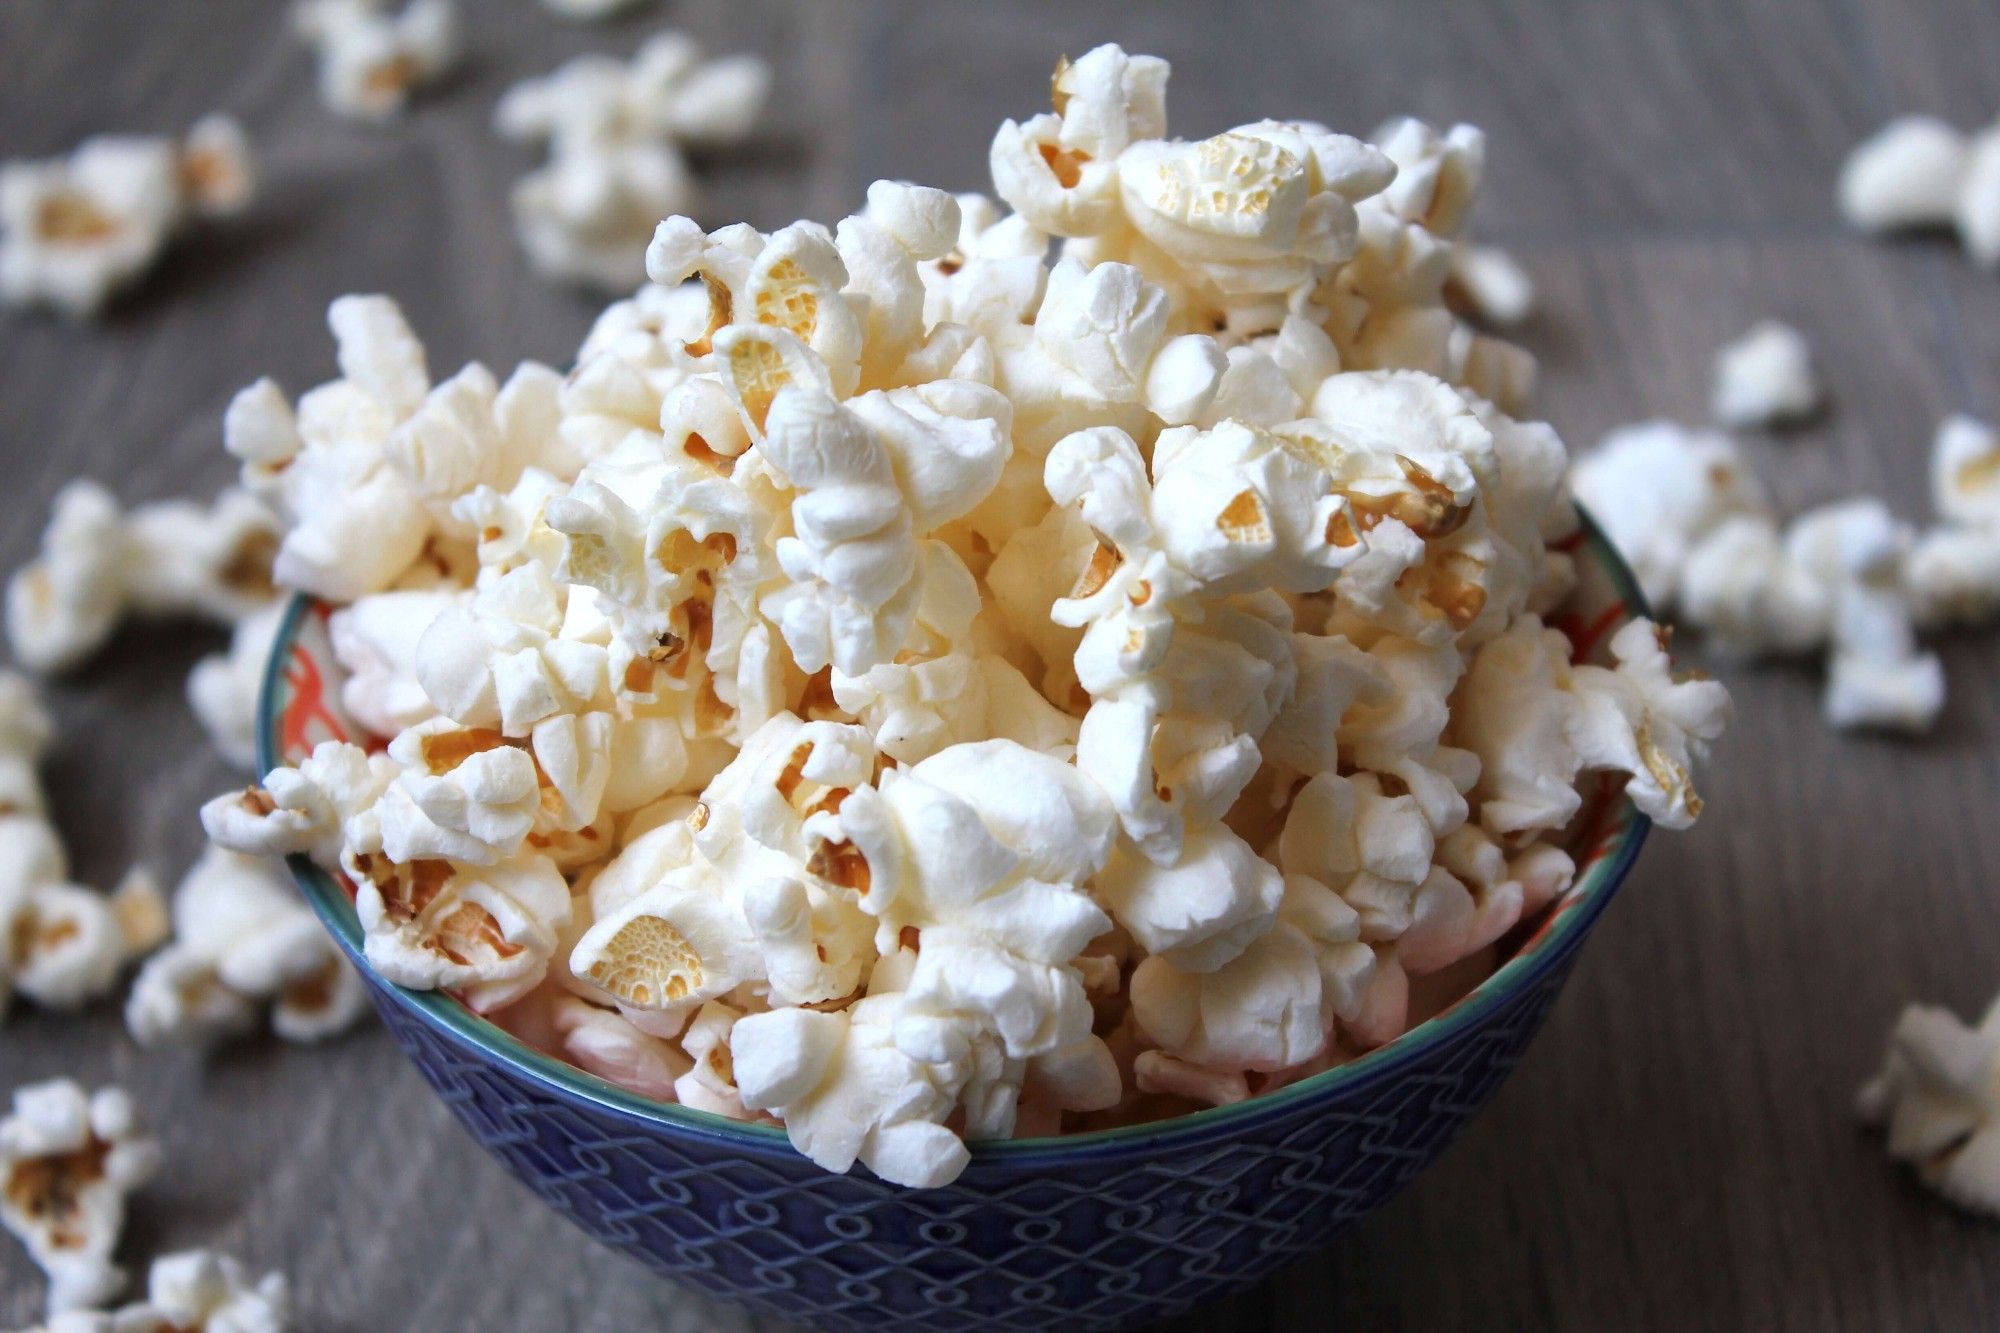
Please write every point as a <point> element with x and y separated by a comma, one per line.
<point>1117,1235</point>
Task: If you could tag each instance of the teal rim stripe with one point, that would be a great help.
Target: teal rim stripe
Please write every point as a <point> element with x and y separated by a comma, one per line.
<point>1574,915</point>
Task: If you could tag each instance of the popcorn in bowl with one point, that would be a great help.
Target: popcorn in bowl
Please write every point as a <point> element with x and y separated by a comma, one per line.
<point>910,692</point>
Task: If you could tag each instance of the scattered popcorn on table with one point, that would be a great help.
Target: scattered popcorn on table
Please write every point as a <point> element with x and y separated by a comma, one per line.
<point>1918,171</point>
<point>372,60</point>
<point>1765,378</point>
<point>1938,1097</point>
<point>1848,577</point>
<point>61,945</point>
<point>917,692</point>
<point>75,230</point>
<point>171,557</point>
<point>242,938</point>
<point>615,132</point>
<point>68,1160</point>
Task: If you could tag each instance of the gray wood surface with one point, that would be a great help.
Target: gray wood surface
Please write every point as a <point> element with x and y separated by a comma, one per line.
<point>1676,1152</point>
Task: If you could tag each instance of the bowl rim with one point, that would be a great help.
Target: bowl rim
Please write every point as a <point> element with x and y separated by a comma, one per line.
<point>1567,921</point>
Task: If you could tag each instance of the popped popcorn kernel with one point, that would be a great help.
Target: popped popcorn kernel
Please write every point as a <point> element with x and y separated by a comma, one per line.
<point>76,230</point>
<point>68,1161</point>
<point>1938,1098</point>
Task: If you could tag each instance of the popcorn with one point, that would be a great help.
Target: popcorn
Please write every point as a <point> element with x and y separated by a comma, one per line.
<point>1657,489</point>
<point>1965,472</point>
<point>1919,171</point>
<point>615,133</point>
<point>67,1162</point>
<point>1492,283</point>
<point>1908,173</point>
<point>846,1093</point>
<point>223,688</point>
<point>1938,1096</point>
<point>1640,720</point>
<point>168,558</point>
<point>370,61</point>
<point>1978,212</point>
<point>64,605</point>
<point>242,938</point>
<point>914,689</point>
<point>74,231</point>
<point>1765,377</point>
<point>198,1291</point>
<point>302,810</point>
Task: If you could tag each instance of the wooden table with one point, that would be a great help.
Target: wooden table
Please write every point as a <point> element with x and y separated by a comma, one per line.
<point>1676,1152</point>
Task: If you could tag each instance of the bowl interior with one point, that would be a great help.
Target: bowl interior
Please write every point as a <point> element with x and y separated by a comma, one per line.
<point>300,707</point>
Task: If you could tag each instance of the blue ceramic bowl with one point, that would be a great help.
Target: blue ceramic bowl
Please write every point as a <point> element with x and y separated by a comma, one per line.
<point>1086,1231</point>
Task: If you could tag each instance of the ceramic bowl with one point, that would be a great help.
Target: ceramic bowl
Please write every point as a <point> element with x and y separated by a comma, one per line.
<point>1085,1231</point>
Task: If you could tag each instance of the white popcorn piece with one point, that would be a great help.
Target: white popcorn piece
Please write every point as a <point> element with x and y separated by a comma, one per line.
<point>242,938</point>
<point>615,133</point>
<point>1765,377</point>
<point>375,639</point>
<point>370,60</point>
<point>169,558</point>
<point>1938,1097</point>
<point>62,606</point>
<point>223,688</point>
<point>68,1160</point>
<point>1273,1005</point>
<point>485,932</point>
<point>1909,173</point>
<point>1203,909</point>
<point>983,850</point>
<point>1978,212</point>
<point>847,1093</point>
<point>355,521</point>
<point>1749,596</point>
<point>1657,489</point>
<point>303,809</point>
<point>198,1291</point>
<point>76,230</point>
<point>1965,472</point>
<point>1876,675</point>
<point>710,1082</point>
<point>1493,283</point>
<point>1641,720</point>
<point>1954,576</point>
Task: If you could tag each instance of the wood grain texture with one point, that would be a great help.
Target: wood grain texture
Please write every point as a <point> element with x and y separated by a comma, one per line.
<point>1676,1151</point>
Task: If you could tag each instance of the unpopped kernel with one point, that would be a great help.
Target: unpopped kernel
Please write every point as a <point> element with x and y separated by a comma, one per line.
<point>916,690</point>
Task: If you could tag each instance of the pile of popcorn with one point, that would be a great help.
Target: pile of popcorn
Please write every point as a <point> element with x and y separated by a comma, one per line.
<point>1847,578</point>
<point>915,692</point>
<point>69,1160</point>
